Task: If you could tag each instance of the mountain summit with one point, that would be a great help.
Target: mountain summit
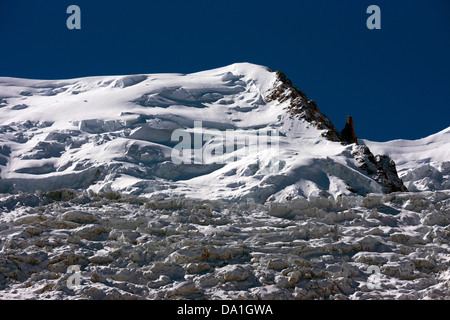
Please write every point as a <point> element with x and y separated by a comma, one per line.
<point>237,132</point>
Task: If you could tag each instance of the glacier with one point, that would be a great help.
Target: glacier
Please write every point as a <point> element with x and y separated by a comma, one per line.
<point>116,134</point>
<point>88,178</point>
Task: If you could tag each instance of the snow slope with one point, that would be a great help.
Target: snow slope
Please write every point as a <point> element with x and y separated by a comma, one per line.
<point>422,164</point>
<point>116,133</point>
<point>307,219</point>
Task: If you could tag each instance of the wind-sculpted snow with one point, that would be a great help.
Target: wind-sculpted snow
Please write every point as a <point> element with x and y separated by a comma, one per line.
<point>236,132</point>
<point>181,248</point>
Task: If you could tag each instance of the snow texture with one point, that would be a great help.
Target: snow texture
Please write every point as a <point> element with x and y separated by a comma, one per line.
<point>115,133</point>
<point>91,176</point>
<point>141,248</point>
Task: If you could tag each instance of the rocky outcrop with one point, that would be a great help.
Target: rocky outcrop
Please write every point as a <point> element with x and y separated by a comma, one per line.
<point>301,107</point>
<point>348,133</point>
<point>381,168</point>
<point>387,175</point>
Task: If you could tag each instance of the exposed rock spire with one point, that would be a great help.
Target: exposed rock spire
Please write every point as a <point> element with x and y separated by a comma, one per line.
<point>348,133</point>
<point>381,168</point>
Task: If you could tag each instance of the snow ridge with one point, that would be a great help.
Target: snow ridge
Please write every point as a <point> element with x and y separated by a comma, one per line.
<point>116,133</point>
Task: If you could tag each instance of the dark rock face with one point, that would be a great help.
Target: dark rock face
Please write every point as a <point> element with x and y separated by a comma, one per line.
<point>387,175</point>
<point>348,133</point>
<point>301,107</point>
<point>381,168</point>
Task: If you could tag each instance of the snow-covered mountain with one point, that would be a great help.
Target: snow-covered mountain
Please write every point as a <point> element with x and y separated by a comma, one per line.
<point>237,132</point>
<point>178,148</point>
<point>424,164</point>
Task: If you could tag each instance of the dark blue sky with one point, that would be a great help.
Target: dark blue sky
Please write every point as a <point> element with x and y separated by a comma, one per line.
<point>394,81</point>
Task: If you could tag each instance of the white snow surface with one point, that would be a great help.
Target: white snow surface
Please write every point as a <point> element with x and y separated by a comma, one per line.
<point>422,164</point>
<point>115,133</point>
